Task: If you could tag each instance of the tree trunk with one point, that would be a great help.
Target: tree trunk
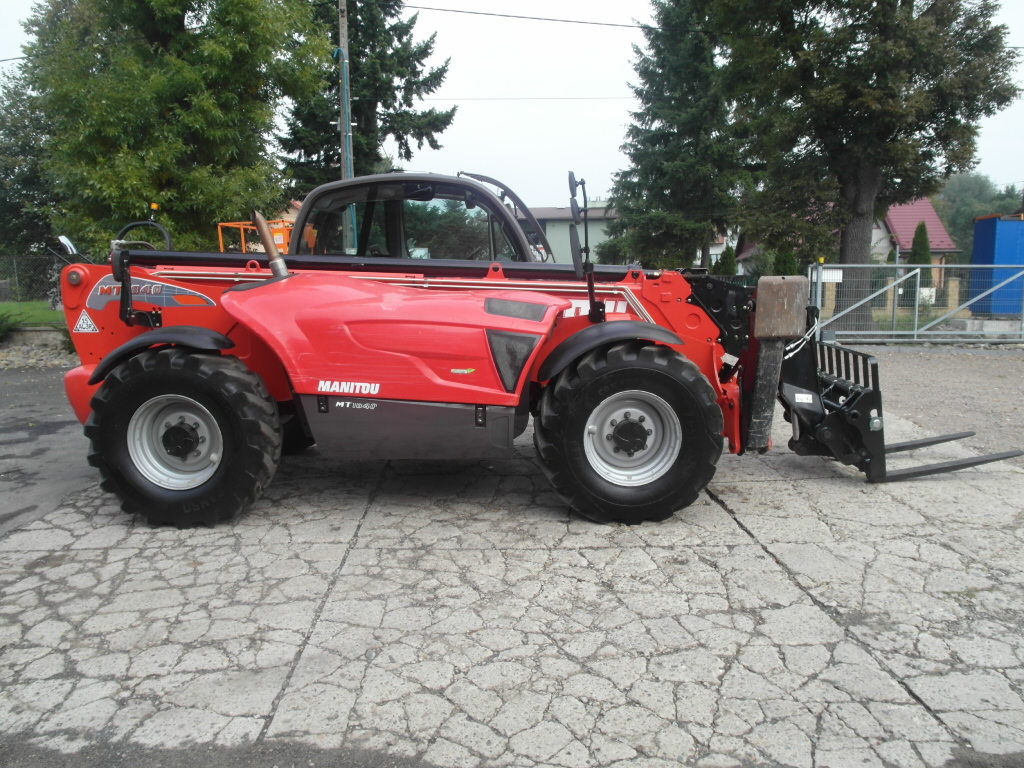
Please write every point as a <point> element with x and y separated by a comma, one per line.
<point>705,252</point>
<point>859,191</point>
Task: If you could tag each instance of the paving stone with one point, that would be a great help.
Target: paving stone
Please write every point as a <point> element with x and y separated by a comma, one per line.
<point>464,618</point>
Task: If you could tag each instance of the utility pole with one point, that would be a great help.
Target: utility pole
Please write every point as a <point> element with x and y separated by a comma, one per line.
<point>344,106</point>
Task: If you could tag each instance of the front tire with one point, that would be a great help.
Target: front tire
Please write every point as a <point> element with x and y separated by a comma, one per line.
<point>184,438</point>
<point>629,433</point>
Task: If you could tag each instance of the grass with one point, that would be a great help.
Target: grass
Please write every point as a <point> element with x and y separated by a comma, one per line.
<point>31,312</point>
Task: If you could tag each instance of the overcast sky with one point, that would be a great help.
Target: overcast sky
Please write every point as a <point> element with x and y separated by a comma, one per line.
<point>539,98</point>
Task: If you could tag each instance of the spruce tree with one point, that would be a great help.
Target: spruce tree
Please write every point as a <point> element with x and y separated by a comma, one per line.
<point>678,191</point>
<point>726,264</point>
<point>921,254</point>
<point>387,76</point>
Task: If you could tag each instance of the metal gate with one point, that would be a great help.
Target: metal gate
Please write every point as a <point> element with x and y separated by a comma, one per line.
<point>943,303</point>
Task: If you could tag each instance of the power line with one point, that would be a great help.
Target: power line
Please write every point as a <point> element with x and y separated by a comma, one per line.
<point>534,18</point>
<point>533,98</point>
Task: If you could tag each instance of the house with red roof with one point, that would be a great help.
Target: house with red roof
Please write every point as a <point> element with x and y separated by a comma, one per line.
<point>896,232</point>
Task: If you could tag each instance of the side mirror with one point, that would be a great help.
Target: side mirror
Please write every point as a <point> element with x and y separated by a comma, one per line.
<point>573,184</point>
<point>574,248</point>
<point>67,245</point>
<point>117,259</point>
<point>575,209</point>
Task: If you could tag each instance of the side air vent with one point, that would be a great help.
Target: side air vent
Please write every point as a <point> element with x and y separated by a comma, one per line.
<point>524,310</point>
<point>510,352</point>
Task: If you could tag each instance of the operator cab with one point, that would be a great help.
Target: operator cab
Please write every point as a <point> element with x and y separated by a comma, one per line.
<point>420,217</point>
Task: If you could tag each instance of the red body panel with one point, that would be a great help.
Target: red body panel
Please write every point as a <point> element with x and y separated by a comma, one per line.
<point>414,335</point>
<point>407,343</point>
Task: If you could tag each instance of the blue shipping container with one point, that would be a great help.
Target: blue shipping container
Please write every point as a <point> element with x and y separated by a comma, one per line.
<point>998,241</point>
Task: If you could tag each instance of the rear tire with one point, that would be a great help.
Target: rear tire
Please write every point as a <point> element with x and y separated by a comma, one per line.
<point>651,404</point>
<point>184,438</point>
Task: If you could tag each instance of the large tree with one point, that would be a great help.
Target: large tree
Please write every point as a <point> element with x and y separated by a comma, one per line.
<point>388,76</point>
<point>880,99</point>
<point>680,189</point>
<point>163,101</point>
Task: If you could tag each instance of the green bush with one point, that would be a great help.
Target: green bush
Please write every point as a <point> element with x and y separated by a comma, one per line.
<point>785,263</point>
<point>8,324</point>
<point>67,344</point>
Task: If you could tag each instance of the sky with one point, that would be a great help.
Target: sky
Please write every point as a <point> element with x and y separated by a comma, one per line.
<point>540,98</point>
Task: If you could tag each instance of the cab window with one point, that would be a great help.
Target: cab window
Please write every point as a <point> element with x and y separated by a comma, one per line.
<point>408,220</point>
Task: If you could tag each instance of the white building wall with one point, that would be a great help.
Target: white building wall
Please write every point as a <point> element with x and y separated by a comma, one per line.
<point>881,243</point>
<point>557,233</point>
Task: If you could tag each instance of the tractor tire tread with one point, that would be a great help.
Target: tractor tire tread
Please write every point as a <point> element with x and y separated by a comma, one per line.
<point>243,392</point>
<point>557,396</point>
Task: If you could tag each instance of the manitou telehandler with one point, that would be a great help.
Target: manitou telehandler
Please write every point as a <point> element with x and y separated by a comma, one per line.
<point>418,316</point>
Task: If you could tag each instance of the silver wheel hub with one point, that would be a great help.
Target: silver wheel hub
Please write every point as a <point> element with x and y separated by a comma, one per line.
<point>175,442</point>
<point>632,438</point>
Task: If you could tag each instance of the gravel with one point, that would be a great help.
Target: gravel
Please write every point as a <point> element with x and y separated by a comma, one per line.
<point>35,356</point>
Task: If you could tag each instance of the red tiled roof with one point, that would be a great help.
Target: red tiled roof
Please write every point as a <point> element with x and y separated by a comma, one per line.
<point>902,220</point>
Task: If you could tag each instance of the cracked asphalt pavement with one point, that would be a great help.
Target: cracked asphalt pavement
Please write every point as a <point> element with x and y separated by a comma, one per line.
<point>454,614</point>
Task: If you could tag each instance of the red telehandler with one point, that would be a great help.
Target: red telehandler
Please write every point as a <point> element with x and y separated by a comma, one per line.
<point>422,316</point>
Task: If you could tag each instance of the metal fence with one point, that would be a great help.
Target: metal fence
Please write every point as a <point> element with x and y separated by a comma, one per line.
<point>29,288</point>
<point>901,303</point>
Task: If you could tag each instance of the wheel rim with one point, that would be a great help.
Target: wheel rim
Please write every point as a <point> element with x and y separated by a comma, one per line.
<point>624,420</point>
<point>175,442</point>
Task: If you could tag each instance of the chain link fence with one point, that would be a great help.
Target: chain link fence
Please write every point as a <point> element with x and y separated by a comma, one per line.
<point>29,289</point>
<point>901,303</point>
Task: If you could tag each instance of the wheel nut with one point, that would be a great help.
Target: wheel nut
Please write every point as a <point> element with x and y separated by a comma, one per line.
<point>616,449</point>
<point>196,453</point>
<point>607,437</point>
<point>627,414</point>
<point>650,431</point>
<point>614,422</point>
<point>642,419</point>
<point>630,454</point>
<point>167,424</point>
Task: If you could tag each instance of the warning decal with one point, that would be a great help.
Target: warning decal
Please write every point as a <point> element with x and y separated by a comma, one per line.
<point>85,324</point>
